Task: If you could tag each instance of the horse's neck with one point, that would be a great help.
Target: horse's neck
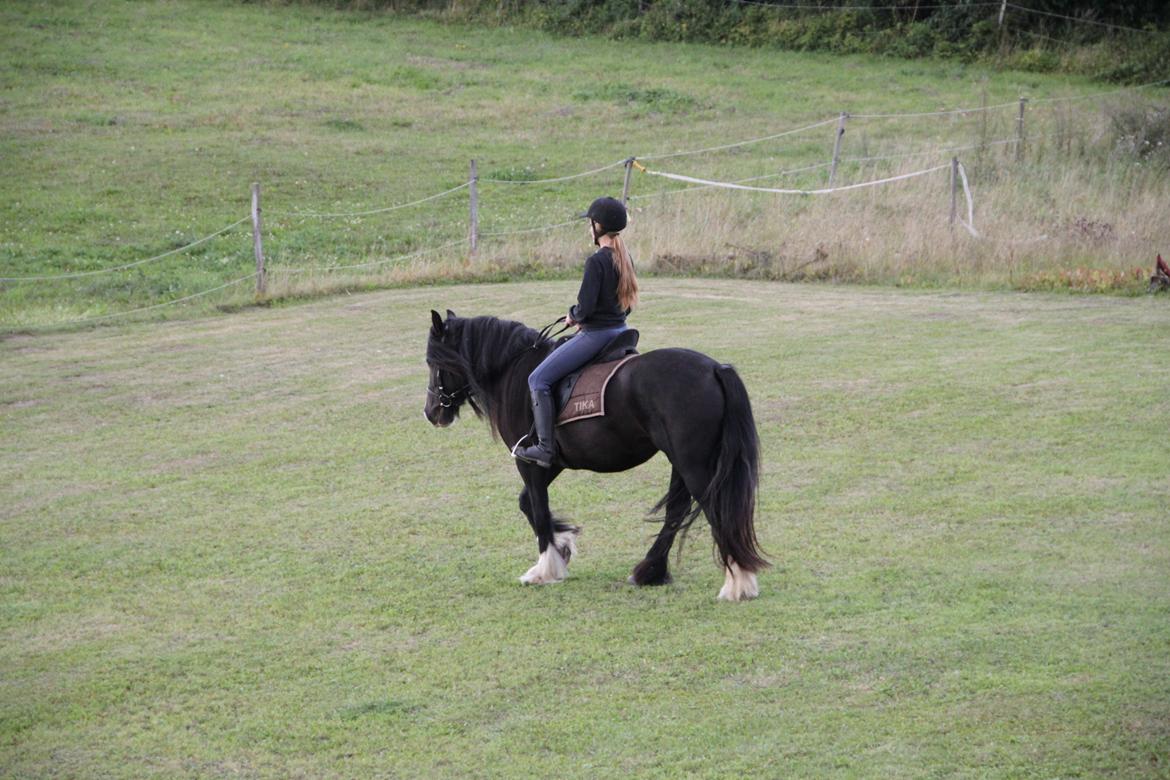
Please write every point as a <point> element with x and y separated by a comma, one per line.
<point>510,402</point>
<point>503,384</point>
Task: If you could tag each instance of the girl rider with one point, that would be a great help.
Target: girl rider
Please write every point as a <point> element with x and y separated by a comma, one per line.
<point>609,291</point>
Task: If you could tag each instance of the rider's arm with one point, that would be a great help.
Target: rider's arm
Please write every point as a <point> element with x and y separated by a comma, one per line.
<point>589,292</point>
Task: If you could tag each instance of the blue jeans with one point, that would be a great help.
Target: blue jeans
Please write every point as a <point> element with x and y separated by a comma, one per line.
<point>570,356</point>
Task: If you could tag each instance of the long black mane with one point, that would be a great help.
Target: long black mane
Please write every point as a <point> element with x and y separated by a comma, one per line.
<point>479,350</point>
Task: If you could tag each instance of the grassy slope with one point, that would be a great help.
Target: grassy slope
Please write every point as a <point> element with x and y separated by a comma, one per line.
<point>127,129</point>
<point>234,547</point>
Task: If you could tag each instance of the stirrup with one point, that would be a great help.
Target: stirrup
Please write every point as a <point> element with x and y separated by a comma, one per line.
<point>529,459</point>
<point>519,442</point>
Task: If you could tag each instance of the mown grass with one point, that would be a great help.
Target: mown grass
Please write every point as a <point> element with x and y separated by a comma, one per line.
<point>129,129</point>
<point>233,546</point>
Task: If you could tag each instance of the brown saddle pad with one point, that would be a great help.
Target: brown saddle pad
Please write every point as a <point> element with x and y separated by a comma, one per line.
<point>588,398</point>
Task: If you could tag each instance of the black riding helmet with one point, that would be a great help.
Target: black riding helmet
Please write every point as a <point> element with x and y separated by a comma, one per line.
<point>609,213</point>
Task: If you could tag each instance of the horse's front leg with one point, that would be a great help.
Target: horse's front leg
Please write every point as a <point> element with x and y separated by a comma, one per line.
<point>556,541</point>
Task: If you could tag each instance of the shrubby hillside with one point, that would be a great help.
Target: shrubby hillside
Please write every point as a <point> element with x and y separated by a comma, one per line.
<point>1122,42</point>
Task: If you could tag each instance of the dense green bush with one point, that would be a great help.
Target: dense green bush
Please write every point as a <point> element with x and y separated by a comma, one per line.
<point>899,28</point>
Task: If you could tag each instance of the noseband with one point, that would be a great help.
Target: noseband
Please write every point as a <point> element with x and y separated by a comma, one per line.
<point>447,400</point>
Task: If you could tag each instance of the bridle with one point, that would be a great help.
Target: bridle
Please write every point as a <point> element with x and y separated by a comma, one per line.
<point>447,400</point>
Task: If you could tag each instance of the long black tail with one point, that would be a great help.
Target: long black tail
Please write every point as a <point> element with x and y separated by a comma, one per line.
<point>730,498</point>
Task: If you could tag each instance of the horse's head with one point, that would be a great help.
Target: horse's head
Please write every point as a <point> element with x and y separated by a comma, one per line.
<point>448,386</point>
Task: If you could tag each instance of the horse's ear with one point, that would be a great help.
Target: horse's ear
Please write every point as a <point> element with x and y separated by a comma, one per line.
<point>437,322</point>
<point>450,314</point>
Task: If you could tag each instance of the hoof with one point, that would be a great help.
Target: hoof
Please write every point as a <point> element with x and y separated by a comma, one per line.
<point>651,572</point>
<point>550,567</point>
<point>633,580</point>
<point>738,585</point>
<point>535,579</point>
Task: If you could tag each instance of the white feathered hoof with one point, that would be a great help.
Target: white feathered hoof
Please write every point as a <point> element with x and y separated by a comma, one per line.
<point>550,567</point>
<point>738,585</point>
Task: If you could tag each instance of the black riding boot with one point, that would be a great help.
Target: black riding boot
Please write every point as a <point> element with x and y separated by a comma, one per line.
<point>545,449</point>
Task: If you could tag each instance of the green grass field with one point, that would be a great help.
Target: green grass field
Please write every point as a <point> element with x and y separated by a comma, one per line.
<point>128,129</point>
<point>233,547</point>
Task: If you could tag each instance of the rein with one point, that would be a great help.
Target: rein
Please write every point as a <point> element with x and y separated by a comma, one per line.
<point>546,334</point>
<point>543,336</point>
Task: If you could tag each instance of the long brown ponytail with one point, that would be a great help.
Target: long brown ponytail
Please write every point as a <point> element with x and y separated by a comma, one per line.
<point>627,289</point>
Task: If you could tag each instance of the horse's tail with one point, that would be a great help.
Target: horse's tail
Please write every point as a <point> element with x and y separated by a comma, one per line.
<point>730,498</point>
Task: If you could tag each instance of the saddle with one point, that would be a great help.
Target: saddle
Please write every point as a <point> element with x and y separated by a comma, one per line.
<point>581,394</point>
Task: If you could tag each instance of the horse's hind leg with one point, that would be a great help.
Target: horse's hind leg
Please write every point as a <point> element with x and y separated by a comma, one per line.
<point>653,569</point>
<point>556,541</point>
<point>738,584</point>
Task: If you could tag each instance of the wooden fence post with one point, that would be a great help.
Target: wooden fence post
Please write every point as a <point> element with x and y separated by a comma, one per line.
<point>258,244</point>
<point>1002,30</point>
<point>837,146</point>
<point>954,190</point>
<point>473,235</point>
<point>1020,131</point>
<point>626,184</point>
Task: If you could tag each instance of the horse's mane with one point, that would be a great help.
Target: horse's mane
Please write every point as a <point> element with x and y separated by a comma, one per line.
<point>480,349</point>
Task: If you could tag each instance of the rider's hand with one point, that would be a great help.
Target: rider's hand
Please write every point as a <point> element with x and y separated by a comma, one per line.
<point>569,321</point>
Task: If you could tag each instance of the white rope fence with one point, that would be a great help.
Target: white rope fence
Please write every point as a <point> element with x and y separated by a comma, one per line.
<point>343,214</point>
<point>932,152</point>
<point>957,172</point>
<point>161,305</point>
<point>78,274</point>
<point>818,166</point>
<point>780,191</point>
<point>539,229</point>
<point>373,263</point>
<point>794,131</point>
<point>959,177</point>
<point>680,190</point>
<point>944,112</point>
<point>581,175</point>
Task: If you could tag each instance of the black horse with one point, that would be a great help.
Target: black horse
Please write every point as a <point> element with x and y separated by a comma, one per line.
<point>675,400</point>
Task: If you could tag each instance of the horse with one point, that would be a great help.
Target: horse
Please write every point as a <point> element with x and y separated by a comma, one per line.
<point>678,401</point>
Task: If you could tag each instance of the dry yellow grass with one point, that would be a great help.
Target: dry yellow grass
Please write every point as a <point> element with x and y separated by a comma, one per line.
<point>1074,213</point>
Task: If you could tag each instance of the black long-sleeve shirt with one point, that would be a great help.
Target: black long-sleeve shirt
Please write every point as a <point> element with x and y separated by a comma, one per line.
<point>597,302</point>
